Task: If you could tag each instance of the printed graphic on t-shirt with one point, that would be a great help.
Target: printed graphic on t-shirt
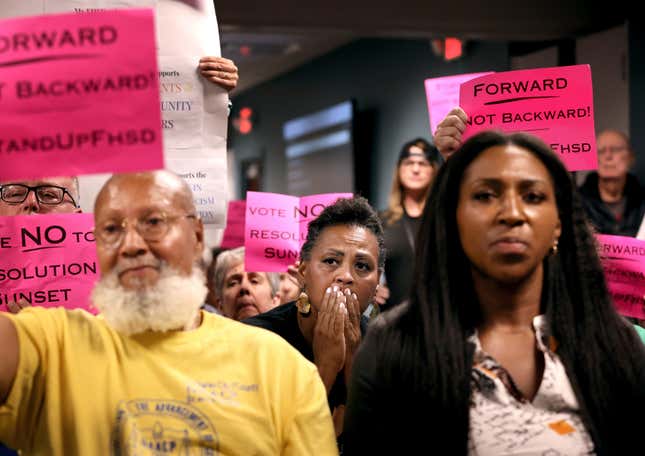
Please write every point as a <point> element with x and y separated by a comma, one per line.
<point>147,427</point>
<point>221,392</point>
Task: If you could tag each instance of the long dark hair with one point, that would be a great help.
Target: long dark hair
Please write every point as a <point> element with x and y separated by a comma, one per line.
<point>424,349</point>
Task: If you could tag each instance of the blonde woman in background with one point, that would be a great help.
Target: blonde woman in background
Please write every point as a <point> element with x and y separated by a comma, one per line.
<point>417,165</point>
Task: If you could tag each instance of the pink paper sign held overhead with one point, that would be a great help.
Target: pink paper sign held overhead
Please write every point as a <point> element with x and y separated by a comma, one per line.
<point>234,231</point>
<point>48,260</point>
<point>623,259</point>
<point>555,104</point>
<point>442,95</point>
<point>79,94</point>
<point>276,227</point>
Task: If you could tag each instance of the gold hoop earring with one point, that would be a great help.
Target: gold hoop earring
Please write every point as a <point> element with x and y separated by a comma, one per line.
<point>554,248</point>
<point>303,304</point>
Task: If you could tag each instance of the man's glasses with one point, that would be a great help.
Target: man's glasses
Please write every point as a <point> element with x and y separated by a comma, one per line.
<point>611,149</point>
<point>409,163</point>
<point>45,194</point>
<point>152,227</point>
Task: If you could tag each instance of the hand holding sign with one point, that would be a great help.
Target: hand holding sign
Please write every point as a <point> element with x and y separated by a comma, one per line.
<point>449,132</point>
<point>443,94</point>
<point>220,71</point>
<point>555,104</point>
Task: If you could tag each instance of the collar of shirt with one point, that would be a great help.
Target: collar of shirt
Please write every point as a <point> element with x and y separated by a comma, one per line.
<point>486,369</point>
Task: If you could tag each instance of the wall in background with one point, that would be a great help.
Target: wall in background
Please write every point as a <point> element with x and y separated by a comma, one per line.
<point>385,78</point>
<point>606,52</point>
<point>547,57</point>
<point>636,78</point>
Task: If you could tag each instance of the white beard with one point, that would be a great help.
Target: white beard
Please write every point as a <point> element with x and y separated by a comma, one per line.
<point>171,304</point>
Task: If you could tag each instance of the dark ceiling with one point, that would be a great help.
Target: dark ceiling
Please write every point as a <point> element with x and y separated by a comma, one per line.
<point>482,20</point>
<point>267,38</point>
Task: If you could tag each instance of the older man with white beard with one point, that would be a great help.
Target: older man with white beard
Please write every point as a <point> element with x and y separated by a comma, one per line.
<point>154,374</point>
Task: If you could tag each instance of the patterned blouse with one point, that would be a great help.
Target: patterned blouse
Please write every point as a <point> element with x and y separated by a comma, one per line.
<point>504,422</point>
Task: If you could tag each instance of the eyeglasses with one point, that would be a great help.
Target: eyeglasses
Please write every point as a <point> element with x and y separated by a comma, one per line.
<point>408,163</point>
<point>45,194</point>
<point>612,149</point>
<point>152,227</point>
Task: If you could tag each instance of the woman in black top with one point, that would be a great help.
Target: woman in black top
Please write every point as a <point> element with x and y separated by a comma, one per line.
<point>418,163</point>
<point>340,264</point>
<point>510,342</point>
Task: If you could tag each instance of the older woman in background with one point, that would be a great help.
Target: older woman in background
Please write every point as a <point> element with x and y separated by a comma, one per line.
<point>510,343</point>
<point>242,294</point>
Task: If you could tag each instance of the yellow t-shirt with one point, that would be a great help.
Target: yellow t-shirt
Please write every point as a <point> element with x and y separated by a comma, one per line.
<point>225,388</point>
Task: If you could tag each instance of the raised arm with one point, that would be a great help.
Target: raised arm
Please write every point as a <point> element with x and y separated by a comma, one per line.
<point>329,339</point>
<point>447,137</point>
<point>8,356</point>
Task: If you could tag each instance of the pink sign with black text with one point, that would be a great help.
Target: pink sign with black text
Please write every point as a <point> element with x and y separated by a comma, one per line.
<point>276,227</point>
<point>623,259</point>
<point>234,231</point>
<point>79,94</point>
<point>442,95</point>
<point>48,260</point>
<point>555,104</point>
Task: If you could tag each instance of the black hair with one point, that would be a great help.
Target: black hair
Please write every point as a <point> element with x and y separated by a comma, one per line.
<point>430,152</point>
<point>422,349</point>
<point>355,211</point>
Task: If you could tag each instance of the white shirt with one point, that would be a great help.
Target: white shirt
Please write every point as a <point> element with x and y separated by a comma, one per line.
<point>503,422</point>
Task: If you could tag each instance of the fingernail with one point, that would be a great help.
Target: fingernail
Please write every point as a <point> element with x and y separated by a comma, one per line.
<point>339,294</point>
<point>348,292</point>
<point>335,288</point>
<point>328,290</point>
<point>354,296</point>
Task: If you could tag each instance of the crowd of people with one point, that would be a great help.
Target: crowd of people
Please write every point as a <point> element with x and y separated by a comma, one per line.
<point>154,373</point>
<point>495,332</point>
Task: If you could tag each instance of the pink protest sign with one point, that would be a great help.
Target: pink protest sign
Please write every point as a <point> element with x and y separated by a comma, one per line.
<point>79,94</point>
<point>276,227</point>
<point>48,260</point>
<point>234,230</point>
<point>623,259</point>
<point>442,95</point>
<point>555,104</point>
